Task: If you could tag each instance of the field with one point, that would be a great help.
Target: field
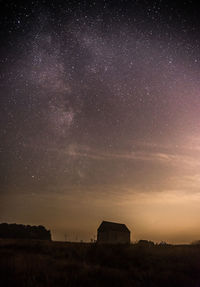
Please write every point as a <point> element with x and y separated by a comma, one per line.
<point>43,263</point>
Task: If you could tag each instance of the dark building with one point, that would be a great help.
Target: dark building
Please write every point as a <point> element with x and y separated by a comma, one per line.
<point>111,232</point>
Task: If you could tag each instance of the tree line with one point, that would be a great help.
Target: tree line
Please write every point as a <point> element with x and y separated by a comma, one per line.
<point>24,231</point>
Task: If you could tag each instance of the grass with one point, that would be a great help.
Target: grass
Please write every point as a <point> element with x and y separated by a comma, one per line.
<point>43,263</point>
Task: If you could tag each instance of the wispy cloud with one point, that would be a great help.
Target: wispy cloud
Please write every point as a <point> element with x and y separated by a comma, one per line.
<point>165,157</point>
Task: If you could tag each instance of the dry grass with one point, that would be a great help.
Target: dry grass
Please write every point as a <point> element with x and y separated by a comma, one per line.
<point>40,263</point>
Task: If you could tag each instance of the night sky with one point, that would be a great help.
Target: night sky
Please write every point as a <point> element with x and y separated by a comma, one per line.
<point>100,117</point>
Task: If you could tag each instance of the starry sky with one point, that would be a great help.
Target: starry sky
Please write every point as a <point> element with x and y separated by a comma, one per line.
<point>99,117</point>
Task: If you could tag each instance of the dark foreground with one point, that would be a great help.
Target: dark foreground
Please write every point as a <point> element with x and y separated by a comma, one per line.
<point>40,263</point>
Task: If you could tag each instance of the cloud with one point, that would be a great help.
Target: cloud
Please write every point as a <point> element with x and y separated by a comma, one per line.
<point>170,158</point>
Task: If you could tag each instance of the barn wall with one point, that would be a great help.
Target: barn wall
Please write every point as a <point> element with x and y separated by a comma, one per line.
<point>113,237</point>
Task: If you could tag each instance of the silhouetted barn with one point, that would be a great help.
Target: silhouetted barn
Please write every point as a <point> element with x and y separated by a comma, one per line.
<point>111,232</point>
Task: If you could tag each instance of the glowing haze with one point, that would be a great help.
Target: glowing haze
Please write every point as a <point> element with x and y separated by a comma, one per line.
<point>100,109</point>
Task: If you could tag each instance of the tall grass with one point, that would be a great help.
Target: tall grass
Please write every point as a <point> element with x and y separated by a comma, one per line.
<point>40,263</point>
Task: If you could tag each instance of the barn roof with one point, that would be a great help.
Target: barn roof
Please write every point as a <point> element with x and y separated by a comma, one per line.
<point>107,226</point>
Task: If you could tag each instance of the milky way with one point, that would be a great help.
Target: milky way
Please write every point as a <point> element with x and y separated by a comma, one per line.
<point>100,117</point>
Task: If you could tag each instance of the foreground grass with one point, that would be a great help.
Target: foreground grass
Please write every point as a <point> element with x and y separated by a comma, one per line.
<point>40,263</point>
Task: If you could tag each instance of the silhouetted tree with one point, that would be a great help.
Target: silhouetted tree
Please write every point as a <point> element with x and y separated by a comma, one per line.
<point>24,231</point>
